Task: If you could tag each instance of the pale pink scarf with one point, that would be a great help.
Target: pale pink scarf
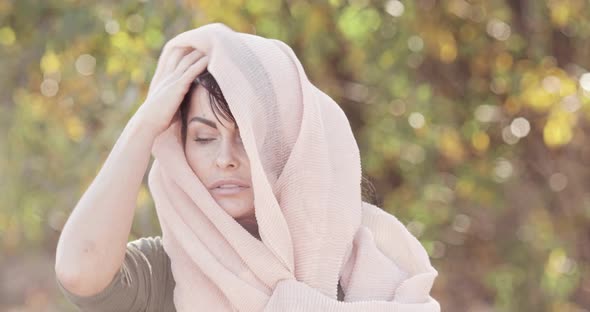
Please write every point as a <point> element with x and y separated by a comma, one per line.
<point>306,174</point>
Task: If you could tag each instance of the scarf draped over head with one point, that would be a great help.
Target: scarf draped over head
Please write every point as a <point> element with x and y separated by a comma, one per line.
<point>315,231</point>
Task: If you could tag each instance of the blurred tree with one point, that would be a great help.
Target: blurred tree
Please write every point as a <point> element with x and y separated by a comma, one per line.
<point>472,119</point>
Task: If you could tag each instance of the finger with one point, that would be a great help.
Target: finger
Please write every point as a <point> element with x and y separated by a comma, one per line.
<point>162,84</point>
<point>187,61</point>
<point>195,69</point>
<point>166,64</point>
<point>174,58</point>
<point>190,74</point>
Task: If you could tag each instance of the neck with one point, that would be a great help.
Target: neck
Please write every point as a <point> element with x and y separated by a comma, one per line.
<point>249,224</point>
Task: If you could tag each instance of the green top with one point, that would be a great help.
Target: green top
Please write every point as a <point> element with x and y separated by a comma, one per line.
<point>144,282</point>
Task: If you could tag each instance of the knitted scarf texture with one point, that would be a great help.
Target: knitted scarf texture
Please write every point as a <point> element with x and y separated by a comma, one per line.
<point>315,230</point>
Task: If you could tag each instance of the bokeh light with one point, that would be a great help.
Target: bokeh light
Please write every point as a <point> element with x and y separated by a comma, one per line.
<point>472,120</point>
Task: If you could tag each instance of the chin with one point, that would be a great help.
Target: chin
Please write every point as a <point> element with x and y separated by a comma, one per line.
<point>236,208</point>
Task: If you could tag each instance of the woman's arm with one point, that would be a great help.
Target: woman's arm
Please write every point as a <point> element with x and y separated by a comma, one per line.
<point>92,245</point>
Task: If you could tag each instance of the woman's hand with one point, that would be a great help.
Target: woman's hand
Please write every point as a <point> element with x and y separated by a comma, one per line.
<point>160,108</point>
<point>92,245</point>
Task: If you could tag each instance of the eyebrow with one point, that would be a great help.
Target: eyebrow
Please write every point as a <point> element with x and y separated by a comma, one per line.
<point>205,121</point>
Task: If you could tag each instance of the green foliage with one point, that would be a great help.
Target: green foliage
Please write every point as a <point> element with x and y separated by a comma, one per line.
<point>472,119</point>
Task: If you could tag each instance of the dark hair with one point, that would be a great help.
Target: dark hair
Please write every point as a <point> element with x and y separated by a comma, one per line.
<point>216,100</point>
<point>219,105</point>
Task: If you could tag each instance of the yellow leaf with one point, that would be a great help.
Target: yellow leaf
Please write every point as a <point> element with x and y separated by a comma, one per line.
<point>7,36</point>
<point>560,13</point>
<point>465,188</point>
<point>50,62</point>
<point>450,145</point>
<point>558,129</point>
<point>567,86</point>
<point>447,47</point>
<point>138,74</point>
<point>538,98</point>
<point>115,64</point>
<point>480,141</point>
<point>74,128</point>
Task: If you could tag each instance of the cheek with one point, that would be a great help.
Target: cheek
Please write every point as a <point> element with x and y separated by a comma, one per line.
<point>200,160</point>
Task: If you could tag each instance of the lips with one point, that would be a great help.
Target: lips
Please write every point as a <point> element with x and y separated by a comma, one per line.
<point>229,190</point>
<point>229,184</point>
<point>228,187</point>
<point>225,186</point>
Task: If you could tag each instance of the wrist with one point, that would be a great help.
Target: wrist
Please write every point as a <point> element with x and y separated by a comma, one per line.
<point>138,128</point>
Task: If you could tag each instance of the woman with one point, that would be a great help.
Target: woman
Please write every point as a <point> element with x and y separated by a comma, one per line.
<point>262,212</point>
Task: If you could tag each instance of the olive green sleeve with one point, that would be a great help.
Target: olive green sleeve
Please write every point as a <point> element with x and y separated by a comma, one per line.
<point>144,282</point>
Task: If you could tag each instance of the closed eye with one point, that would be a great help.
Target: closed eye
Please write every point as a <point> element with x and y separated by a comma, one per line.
<point>203,140</point>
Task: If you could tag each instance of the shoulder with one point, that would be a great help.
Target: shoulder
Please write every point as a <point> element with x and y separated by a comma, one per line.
<point>150,247</point>
<point>153,242</point>
<point>148,244</point>
<point>144,282</point>
<point>155,269</point>
<point>151,251</point>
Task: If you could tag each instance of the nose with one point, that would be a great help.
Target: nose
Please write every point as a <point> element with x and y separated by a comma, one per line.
<point>228,156</point>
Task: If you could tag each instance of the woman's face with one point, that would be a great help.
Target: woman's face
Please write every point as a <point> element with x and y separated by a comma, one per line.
<point>215,153</point>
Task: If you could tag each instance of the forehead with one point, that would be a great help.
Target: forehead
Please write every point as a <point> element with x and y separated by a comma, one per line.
<point>200,104</point>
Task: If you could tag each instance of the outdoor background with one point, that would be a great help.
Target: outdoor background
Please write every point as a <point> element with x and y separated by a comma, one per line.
<point>472,118</point>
